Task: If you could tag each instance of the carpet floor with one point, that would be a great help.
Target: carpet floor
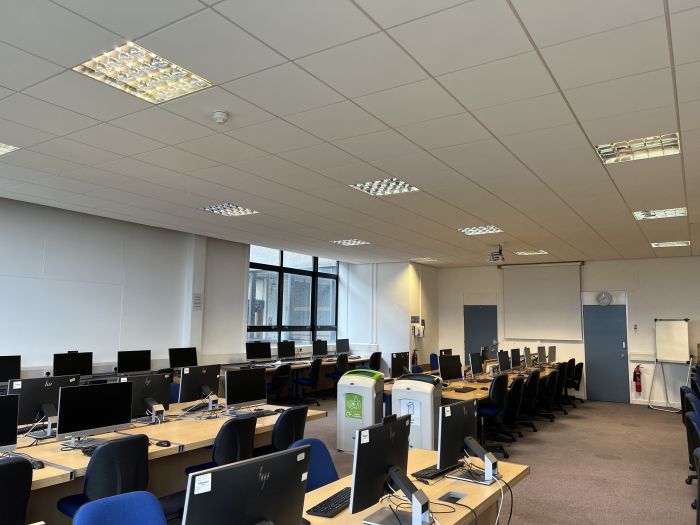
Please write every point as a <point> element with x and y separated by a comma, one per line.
<point>603,463</point>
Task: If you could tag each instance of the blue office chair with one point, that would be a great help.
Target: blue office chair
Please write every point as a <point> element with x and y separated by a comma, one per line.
<point>16,483</point>
<point>492,411</point>
<point>310,382</point>
<point>417,369</point>
<point>321,468</point>
<point>234,442</point>
<point>685,406</point>
<point>288,428</point>
<point>134,508</point>
<point>434,362</point>
<point>280,381</point>
<point>174,392</point>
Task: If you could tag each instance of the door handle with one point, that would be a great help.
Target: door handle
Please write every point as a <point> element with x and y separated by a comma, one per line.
<point>624,344</point>
<point>622,356</point>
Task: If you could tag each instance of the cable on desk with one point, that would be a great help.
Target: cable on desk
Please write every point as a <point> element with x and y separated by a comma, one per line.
<point>512,503</point>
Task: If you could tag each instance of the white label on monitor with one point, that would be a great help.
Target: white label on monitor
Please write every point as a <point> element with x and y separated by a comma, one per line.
<point>16,385</point>
<point>71,380</point>
<point>364,437</point>
<point>122,379</point>
<point>185,370</point>
<point>301,456</point>
<point>202,484</point>
<point>304,476</point>
<point>448,411</point>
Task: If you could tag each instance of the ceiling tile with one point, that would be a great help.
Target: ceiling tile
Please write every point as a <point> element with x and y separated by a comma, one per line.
<point>222,148</point>
<point>275,136</point>
<point>41,115</point>
<point>132,18</point>
<point>688,81</point>
<point>420,168</point>
<point>200,107</point>
<point>364,66</point>
<point>21,136</point>
<point>175,159</point>
<point>319,157</point>
<point>690,115</point>
<point>29,25</point>
<point>74,151</point>
<point>141,170</point>
<point>492,84</point>
<point>4,92</point>
<point>220,51</point>
<point>552,21</point>
<point>680,5</point>
<point>648,39</point>
<point>275,169</point>
<point>650,184</point>
<point>114,139</point>
<point>684,27</point>
<point>411,103</point>
<point>296,29</point>
<point>380,145</point>
<point>163,126</point>
<point>624,95</point>
<point>355,172</point>
<point>469,28</point>
<point>445,131</point>
<point>283,90</point>
<point>25,69</point>
<point>542,112</point>
<point>337,121</point>
<point>392,12</point>
<point>636,124</point>
<point>86,96</point>
<point>38,161</point>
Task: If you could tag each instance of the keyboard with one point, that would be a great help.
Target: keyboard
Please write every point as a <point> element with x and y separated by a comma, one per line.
<point>196,407</point>
<point>464,389</point>
<point>433,472</point>
<point>258,413</point>
<point>329,507</point>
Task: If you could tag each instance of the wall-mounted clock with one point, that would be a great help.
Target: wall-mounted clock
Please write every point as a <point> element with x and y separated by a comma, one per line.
<point>604,298</point>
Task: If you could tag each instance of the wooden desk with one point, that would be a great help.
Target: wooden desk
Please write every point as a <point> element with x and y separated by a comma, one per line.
<point>483,499</point>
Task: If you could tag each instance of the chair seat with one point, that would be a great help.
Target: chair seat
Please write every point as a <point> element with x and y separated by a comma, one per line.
<point>305,381</point>
<point>197,468</point>
<point>70,504</point>
<point>487,411</point>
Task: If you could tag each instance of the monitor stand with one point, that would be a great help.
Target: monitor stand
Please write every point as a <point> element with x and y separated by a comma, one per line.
<point>420,505</point>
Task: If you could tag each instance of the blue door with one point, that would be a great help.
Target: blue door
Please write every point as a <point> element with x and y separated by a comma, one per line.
<point>480,328</point>
<point>605,335</point>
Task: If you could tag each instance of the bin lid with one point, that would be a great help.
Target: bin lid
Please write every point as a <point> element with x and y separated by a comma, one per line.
<point>423,378</point>
<point>365,372</point>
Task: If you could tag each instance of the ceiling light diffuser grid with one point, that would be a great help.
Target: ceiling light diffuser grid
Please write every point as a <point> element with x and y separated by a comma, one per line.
<point>644,215</point>
<point>229,210</point>
<point>6,148</point>
<point>350,242</point>
<point>670,244</point>
<point>479,230</point>
<point>531,252</point>
<point>381,188</point>
<point>139,72</point>
<point>423,260</point>
<point>638,149</point>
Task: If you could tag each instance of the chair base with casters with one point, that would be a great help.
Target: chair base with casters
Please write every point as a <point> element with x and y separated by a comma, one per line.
<point>485,433</point>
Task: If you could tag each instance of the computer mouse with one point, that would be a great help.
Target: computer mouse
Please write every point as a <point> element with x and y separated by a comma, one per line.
<point>484,388</point>
<point>163,443</point>
<point>37,465</point>
<point>279,410</point>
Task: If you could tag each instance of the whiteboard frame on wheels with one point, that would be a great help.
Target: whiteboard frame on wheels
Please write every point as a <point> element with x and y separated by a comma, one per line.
<point>671,347</point>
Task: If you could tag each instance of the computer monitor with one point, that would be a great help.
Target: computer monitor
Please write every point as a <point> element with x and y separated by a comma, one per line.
<point>38,397</point>
<point>342,346</point>
<point>476,364</point>
<point>515,357</point>
<point>10,367</point>
<point>541,357</point>
<point>484,354</point>
<point>400,364</point>
<point>9,406</point>
<point>552,357</point>
<point>528,357</point>
<point>264,490</point>
<point>457,420</point>
<point>446,351</point>
<point>503,361</point>
<point>450,367</point>
<point>133,361</point>
<point>320,347</point>
<point>286,349</point>
<point>381,455</point>
<point>93,409</point>
<point>245,388</point>
<point>258,350</point>
<point>148,390</point>
<point>70,363</point>
<point>199,382</point>
<point>182,357</point>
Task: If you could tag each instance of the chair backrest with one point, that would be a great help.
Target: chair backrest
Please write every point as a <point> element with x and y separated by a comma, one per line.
<point>174,392</point>
<point>561,378</point>
<point>685,404</point>
<point>693,402</point>
<point>281,377</point>
<point>578,374</point>
<point>116,467</point>
<point>434,362</point>
<point>696,462</point>
<point>532,385</point>
<point>417,369</point>
<point>695,383</point>
<point>550,387</point>
<point>235,441</point>
<point>498,392</point>
<point>16,483</point>
<point>515,399</point>
<point>375,361</point>
<point>341,363</point>
<point>692,424</point>
<point>315,371</point>
<point>321,468</point>
<point>134,508</point>
<point>289,427</point>
<point>570,368</point>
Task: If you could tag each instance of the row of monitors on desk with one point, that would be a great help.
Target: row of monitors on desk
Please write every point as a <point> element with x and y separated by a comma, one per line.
<point>256,350</point>
<point>451,366</point>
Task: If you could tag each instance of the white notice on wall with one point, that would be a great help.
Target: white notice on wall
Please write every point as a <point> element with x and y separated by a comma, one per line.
<point>202,484</point>
<point>411,407</point>
<point>197,301</point>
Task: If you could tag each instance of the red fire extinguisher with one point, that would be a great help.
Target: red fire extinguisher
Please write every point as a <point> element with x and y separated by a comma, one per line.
<point>637,378</point>
<point>414,359</point>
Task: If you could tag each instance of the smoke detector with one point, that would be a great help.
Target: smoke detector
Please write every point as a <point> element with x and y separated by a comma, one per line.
<point>220,117</point>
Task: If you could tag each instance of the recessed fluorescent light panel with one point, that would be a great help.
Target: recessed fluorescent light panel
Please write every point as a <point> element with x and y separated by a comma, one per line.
<point>139,72</point>
<point>479,230</point>
<point>531,252</point>
<point>423,260</point>
<point>229,210</point>
<point>637,149</point>
<point>350,242</point>
<point>6,148</point>
<point>644,215</point>
<point>381,188</point>
<point>670,244</point>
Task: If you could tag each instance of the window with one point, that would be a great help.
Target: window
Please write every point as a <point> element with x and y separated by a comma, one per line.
<point>291,296</point>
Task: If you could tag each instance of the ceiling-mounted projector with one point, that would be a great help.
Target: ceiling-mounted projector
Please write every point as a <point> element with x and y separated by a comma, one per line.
<point>497,256</point>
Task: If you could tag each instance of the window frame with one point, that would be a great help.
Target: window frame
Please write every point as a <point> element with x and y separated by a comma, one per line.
<point>314,274</point>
